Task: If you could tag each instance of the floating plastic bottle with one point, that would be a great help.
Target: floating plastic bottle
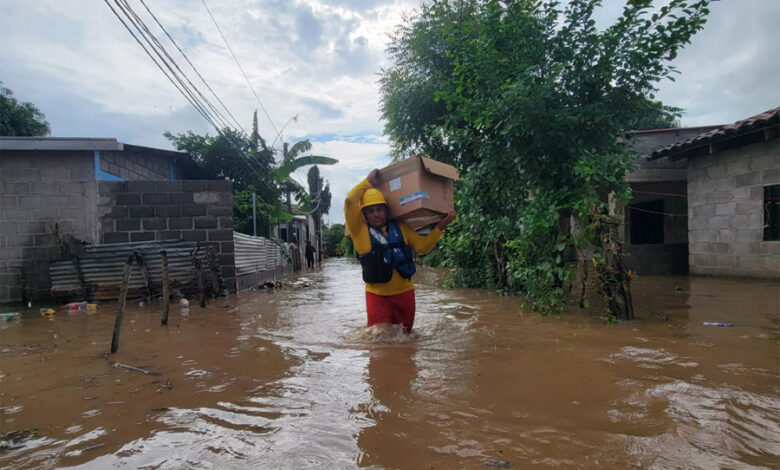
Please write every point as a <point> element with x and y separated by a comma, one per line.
<point>9,316</point>
<point>74,306</point>
<point>716,323</point>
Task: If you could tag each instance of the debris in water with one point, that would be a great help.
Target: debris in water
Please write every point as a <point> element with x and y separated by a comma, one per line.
<point>497,463</point>
<point>8,316</point>
<point>14,439</point>
<point>716,323</point>
<point>137,369</point>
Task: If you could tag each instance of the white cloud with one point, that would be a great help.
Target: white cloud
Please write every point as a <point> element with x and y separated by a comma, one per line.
<point>317,59</point>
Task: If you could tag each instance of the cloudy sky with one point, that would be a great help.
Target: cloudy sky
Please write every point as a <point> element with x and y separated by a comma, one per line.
<point>314,60</point>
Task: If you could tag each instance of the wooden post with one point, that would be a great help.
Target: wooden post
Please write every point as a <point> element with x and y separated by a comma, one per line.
<point>254,214</point>
<point>201,281</point>
<point>80,274</point>
<point>215,273</point>
<point>145,271</point>
<point>166,295</point>
<point>122,301</point>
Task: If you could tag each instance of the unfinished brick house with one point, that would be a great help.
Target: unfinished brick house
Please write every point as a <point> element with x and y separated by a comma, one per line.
<point>99,191</point>
<point>707,200</point>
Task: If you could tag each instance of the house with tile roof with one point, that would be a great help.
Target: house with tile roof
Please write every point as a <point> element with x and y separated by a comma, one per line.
<point>707,200</point>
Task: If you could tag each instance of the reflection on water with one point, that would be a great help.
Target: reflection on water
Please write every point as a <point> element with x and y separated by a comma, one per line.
<point>291,378</point>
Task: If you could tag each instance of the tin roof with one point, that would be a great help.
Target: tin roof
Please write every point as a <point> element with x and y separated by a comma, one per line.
<point>58,143</point>
<point>754,123</point>
<point>79,143</point>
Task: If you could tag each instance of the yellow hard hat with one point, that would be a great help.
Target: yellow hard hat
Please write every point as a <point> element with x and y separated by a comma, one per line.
<point>372,197</point>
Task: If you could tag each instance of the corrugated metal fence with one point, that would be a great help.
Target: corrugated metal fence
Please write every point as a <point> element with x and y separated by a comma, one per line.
<point>102,267</point>
<point>258,259</point>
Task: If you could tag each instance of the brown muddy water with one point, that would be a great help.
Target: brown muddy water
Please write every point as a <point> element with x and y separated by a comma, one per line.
<point>290,379</point>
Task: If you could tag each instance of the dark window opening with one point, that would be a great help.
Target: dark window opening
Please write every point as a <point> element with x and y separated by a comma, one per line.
<point>772,212</point>
<point>283,234</point>
<point>647,222</point>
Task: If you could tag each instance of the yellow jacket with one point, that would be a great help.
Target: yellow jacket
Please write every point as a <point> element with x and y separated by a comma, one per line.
<point>358,230</point>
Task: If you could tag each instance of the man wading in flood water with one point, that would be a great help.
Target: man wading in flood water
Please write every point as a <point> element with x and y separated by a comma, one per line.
<point>385,251</point>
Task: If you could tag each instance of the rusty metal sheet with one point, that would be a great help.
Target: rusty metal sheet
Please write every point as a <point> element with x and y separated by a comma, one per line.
<point>255,256</point>
<point>102,267</point>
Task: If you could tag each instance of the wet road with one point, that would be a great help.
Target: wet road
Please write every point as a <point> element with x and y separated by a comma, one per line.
<point>290,379</point>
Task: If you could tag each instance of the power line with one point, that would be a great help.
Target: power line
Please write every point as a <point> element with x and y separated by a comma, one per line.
<point>192,65</point>
<point>240,68</point>
<point>170,61</point>
<point>658,194</point>
<point>155,61</point>
<point>172,76</point>
<point>137,23</point>
<point>221,120</point>
<point>634,208</point>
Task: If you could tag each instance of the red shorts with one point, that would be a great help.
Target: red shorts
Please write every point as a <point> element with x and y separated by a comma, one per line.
<point>393,309</point>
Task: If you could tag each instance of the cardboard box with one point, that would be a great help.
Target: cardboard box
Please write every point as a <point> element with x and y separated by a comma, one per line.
<point>418,190</point>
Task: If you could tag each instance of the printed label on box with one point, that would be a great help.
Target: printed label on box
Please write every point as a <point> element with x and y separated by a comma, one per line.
<point>417,196</point>
<point>395,184</point>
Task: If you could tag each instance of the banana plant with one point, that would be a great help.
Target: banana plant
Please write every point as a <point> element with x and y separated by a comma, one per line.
<point>291,161</point>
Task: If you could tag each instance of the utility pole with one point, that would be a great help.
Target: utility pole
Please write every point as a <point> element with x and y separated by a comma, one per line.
<point>318,224</point>
<point>254,214</point>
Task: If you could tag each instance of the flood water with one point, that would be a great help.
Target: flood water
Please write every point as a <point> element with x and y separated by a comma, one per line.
<point>290,379</point>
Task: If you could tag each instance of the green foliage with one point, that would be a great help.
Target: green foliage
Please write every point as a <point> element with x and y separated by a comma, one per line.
<point>20,119</point>
<point>291,159</point>
<point>528,99</point>
<point>230,155</point>
<point>331,239</point>
<point>267,214</point>
<point>434,258</point>
<point>609,319</point>
<point>250,165</point>
<point>346,248</point>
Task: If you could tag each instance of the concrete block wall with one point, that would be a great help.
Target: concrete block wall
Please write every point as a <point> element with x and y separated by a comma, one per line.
<point>657,259</point>
<point>725,211</point>
<point>198,211</point>
<point>41,198</point>
<point>134,166</point>
<point>674,195</point>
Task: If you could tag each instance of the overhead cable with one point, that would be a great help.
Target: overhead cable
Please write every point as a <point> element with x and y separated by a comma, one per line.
<point>213,117</point>
<point>240,68</point>
<point>195,69</point>
<point>144,33</point>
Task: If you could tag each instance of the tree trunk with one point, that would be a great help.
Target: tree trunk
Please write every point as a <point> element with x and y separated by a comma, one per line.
<point>289,222</point>
<point>615,281</point>
<point>582,259</point>
<point>499,262</point>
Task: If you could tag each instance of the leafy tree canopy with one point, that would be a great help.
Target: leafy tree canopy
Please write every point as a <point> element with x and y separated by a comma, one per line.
<point>20,118</point>
<point>251,166</point>
<point>527,98</point>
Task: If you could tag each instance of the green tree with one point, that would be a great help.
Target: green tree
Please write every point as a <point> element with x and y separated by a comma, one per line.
<point>320,198</point>
<point>332,239</point>
<point>527,99</point>
<point>291,161</point>
<point>20,118</point>
<point>248,165</point>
